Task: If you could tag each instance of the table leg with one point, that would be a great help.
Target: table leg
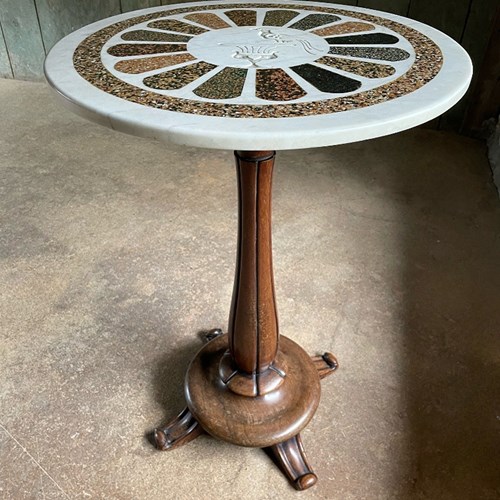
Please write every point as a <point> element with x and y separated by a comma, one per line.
<point>181,430</point>
<point>252,386</point>
<point>291,459</point>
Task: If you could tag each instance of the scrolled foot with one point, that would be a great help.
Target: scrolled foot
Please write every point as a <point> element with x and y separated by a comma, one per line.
<point>326,364</point>
<point>291,459</point>
<point>306,481</point>
<point>183,429</point>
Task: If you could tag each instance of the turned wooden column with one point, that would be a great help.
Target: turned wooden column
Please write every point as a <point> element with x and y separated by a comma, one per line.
<point>252,366</point>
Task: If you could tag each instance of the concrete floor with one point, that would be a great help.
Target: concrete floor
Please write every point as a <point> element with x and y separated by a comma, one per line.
<point>115,251</point>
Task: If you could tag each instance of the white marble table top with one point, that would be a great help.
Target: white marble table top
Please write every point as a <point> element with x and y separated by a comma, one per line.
<point>259,75</point>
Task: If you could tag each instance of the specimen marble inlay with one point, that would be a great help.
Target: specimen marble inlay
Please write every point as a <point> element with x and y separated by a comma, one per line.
<point>294,74</point>
<point>325,56</point>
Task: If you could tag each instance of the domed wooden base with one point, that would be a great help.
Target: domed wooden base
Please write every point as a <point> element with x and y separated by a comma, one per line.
<point>252,421</point>
<point>288,454</point>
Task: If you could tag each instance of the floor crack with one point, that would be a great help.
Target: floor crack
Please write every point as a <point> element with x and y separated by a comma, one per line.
<point>33,459</point>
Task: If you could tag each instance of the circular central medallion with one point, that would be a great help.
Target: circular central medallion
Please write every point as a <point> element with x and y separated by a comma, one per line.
<point>258,47</point>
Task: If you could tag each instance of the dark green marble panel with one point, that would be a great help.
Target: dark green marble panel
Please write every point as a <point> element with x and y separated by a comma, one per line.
<point>313,21</point>
<point>5,69</point>
<point>22,38</point>
<point>381,53</point>
<point>128,5</point>
<point>326,81</point>
<point>60,17</point>
<point>369,39</point>
<point>395,6</point>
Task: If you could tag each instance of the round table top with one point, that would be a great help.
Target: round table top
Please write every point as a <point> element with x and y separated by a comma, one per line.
<point>259,75</point>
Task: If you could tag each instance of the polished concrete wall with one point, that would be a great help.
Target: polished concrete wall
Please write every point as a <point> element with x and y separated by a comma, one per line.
<point>29,28</point>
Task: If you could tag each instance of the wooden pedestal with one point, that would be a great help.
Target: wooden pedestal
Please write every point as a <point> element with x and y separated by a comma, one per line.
<point>253,387</point>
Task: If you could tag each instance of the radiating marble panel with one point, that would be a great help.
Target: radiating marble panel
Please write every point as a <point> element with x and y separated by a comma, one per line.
<point>341,29</point>
<point>313,21</point>
<point>361,68</point>
<point>279,17</point>
<point>138,49</point>
<point>326,81</point>
<point>154,36</point>
<point>242,17</point>
<point>178,78</point>
<point>144,64</point>
<point>368,39</point>
<point>382,53</point>
<point>178,26</point>
<point>227,84</point>
<point>276,85</point>
<point>208,19</point>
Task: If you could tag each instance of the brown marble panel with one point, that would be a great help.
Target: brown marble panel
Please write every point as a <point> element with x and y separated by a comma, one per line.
<point>136,66</point>
<point>139,49</point>
<point>361,68</point>
<point>276,85</point>
<point>208,19</point>
<point>242,17</point>
<point>341,29</point>
<point>178,26</point>
<point>178,78</point>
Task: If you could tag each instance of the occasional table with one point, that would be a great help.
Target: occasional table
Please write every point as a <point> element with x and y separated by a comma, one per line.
<point>255,78</point>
